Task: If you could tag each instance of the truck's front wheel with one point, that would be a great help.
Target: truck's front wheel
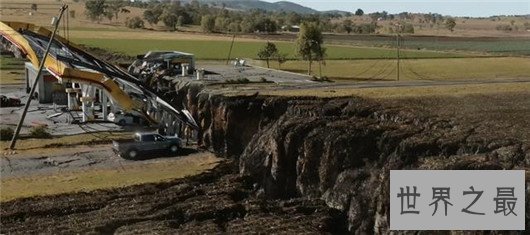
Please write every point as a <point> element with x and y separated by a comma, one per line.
<point>132,154</point>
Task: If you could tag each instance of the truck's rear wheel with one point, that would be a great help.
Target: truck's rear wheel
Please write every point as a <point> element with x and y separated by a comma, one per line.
<point>174,149</point>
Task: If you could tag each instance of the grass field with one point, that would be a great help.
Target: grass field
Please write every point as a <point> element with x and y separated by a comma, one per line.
<point>11,70</point>
<point>216,50</point>
<point>401,92</point>
<point>414,69</point>
<point>495,46</point>
<point>66,182</point>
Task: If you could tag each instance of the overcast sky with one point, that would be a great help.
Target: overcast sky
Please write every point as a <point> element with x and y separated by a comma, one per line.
<point>475,8</point>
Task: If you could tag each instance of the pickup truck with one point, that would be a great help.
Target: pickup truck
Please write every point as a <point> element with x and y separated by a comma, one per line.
<point>145,143</point>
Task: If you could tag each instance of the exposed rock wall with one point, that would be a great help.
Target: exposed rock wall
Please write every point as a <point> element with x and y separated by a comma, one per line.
<point>341,150</point>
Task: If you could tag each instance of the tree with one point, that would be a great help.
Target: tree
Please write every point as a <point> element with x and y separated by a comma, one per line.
<point>208,23</point>
<point>450,24</point>
<point>247,26</point>
<point>267,52</point>
<point>221,24</point>
<point>266,25</point>
<point>359,12</point>
<point>281,58</point>
<point>379,15</point>
<point>347,25</point>
<point>134,23</point>
<point>95,9</point>
<point>170,15</point>
<point>108,14</point>
<point>180,21</point>
<point>319,56</point>
<point>234,27</point>
<point>115,6</point>
<point>309,43</point>
<point>152,16</point>
<point>169,18</point>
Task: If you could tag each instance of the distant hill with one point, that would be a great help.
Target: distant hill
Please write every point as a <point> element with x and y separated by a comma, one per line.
<point>342,13</point>
<point>289,6</point>
<point>258,4</point>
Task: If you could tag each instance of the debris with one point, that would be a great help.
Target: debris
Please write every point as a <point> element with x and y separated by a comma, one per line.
<point>155,65</point>
<point>9,102</point>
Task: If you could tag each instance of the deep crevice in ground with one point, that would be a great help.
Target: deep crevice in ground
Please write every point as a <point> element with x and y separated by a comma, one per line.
<point>296,165</point>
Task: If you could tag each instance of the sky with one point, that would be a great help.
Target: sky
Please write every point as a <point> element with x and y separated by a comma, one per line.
<point>472,8</point>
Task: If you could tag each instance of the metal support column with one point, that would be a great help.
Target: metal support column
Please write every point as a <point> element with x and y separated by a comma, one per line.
<point>41,67</point>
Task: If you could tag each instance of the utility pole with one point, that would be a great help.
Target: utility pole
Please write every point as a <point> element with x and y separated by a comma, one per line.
<point>41,66</point>
<point>230,52</point>
<point>398,45</point>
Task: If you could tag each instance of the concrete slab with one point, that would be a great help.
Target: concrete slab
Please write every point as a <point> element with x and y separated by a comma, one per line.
<point>224,72</point>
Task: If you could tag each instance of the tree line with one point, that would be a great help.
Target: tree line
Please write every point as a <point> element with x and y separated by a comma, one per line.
<point>214,18</point>
<point>96,10</point>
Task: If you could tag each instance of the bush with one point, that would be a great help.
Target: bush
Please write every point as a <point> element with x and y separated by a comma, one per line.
<point>504,27</point>
<point>365,28</point>
<point>6,133</point>
<point>408,28</point>
<point>134,23</point>
<point>39,132</point>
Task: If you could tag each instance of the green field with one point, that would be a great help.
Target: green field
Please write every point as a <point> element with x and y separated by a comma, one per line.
<point>494,46</point>
<point>417,69</point>
<point>218,50</point>
<point>501,47</point>
<point>11,63</point>
<point>11,70</point>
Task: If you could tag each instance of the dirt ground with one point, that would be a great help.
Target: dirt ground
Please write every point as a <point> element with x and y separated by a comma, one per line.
<point>78,158</point>
<point>214,202</point>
